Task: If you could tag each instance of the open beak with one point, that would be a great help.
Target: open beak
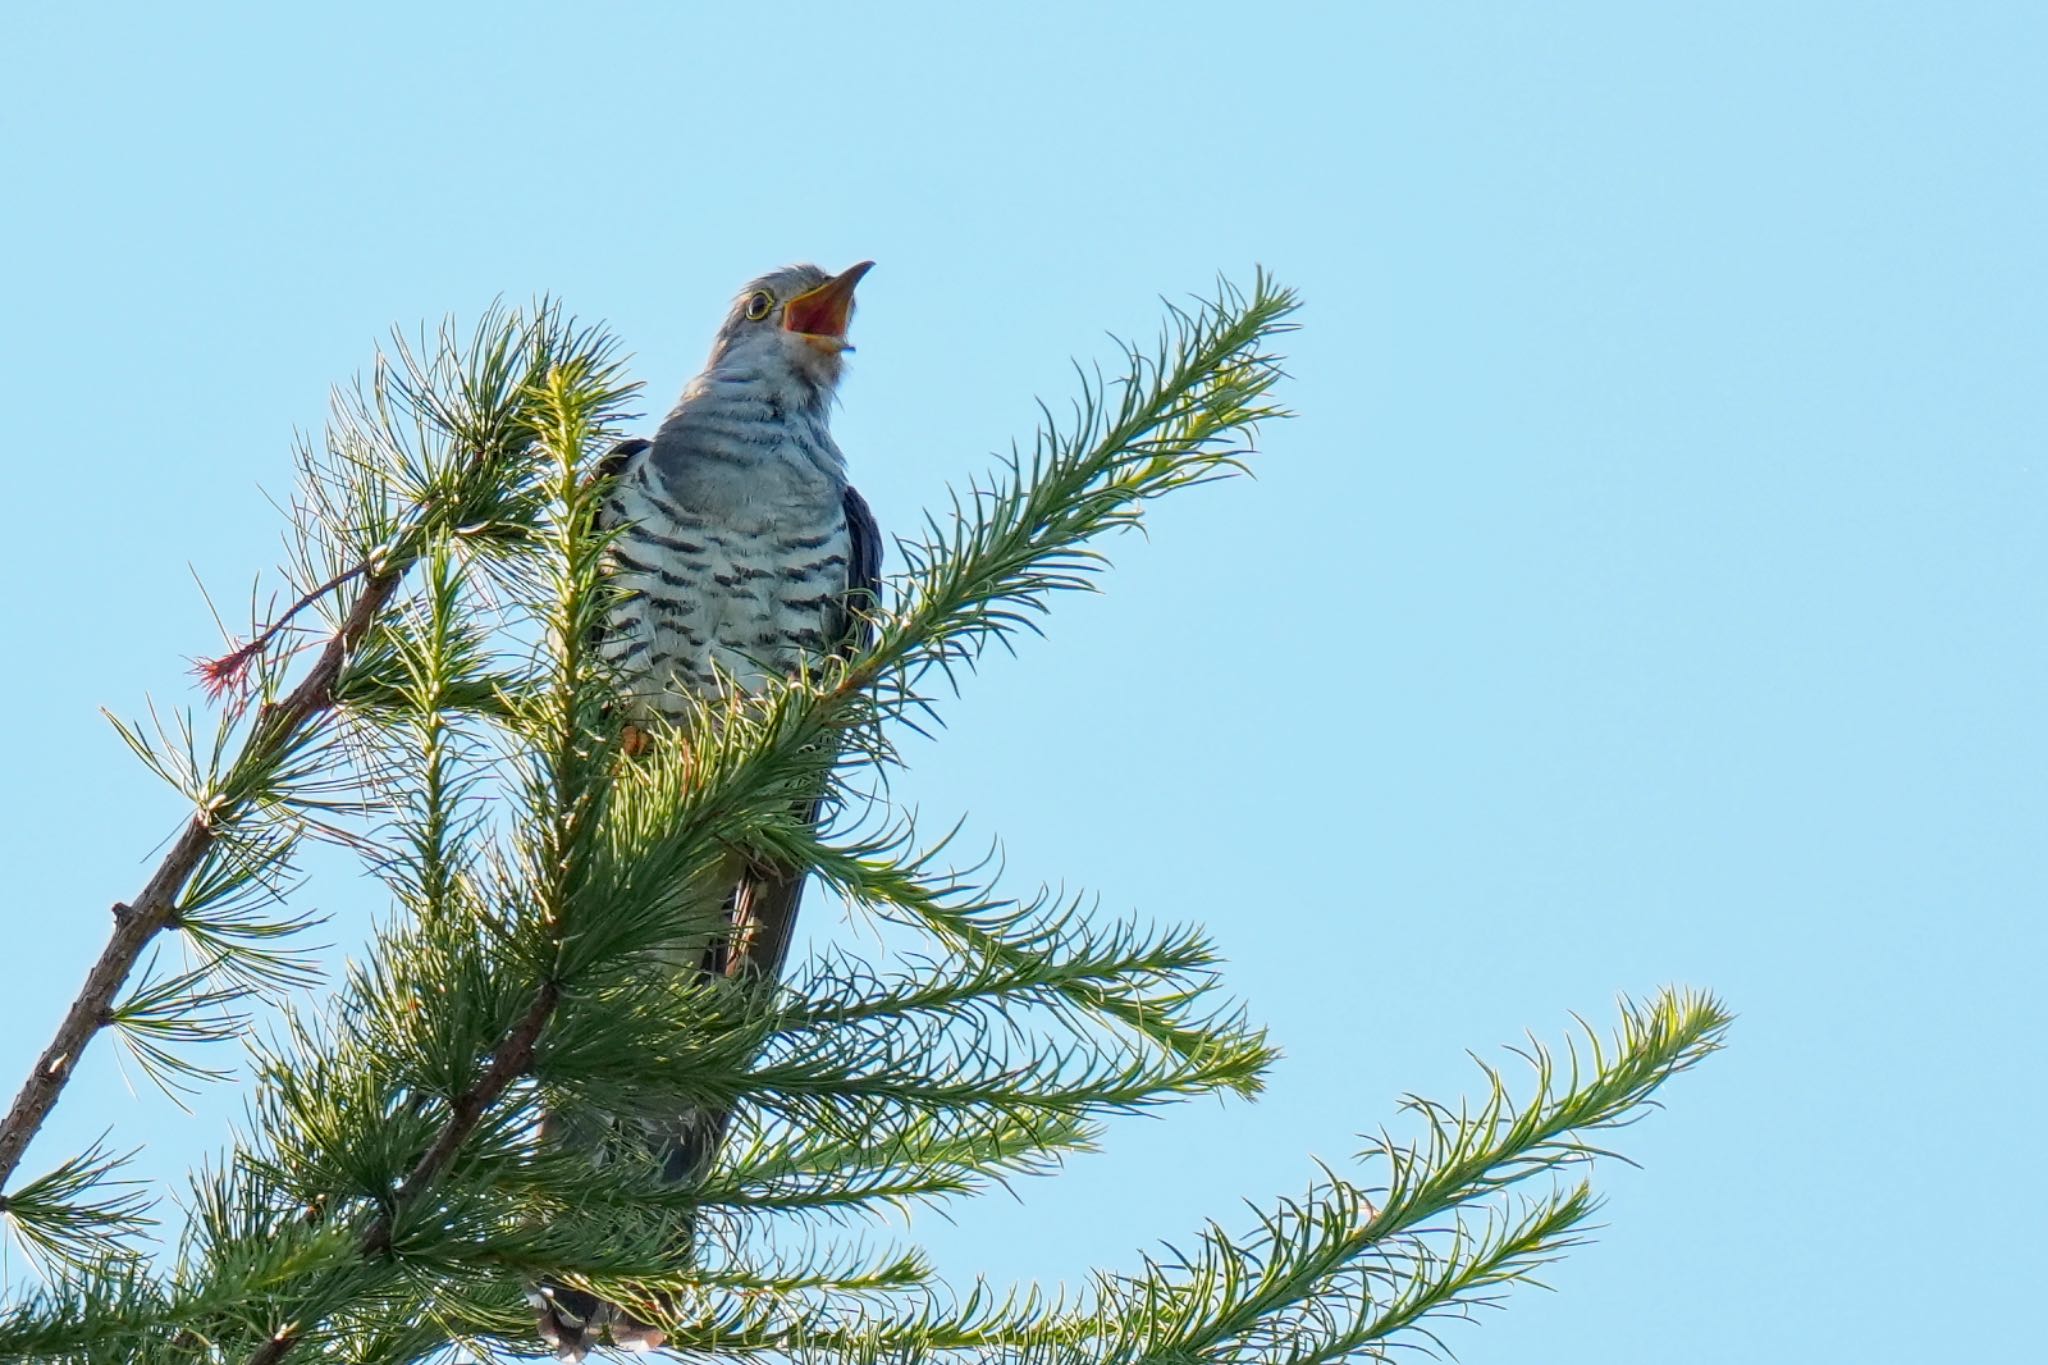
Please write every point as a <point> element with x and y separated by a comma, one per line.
<point>823,313</point>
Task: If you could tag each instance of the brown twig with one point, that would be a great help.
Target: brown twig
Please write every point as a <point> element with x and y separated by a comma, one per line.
<point>141,920</point>
<point>512,1059</point>
<point>225,674</point>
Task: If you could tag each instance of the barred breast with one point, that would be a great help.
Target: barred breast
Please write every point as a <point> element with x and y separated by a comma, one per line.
<point>748,587</point>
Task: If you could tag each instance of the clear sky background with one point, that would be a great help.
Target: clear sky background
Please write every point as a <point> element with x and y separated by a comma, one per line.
<point>1651,589</point>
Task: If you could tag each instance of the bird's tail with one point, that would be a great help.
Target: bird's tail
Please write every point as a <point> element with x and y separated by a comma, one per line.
<point>760,921</point>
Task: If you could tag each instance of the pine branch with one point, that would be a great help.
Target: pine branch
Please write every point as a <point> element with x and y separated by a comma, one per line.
<point>511,1061</point>
<point>571,400</point>
<point>69,1215</point>
<point>485,429</point>
<point>1148,983</point>
<point>1344,1272</point>
<point>139,921</point>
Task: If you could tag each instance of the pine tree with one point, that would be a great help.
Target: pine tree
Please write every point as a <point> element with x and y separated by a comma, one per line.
<point>447,722</point>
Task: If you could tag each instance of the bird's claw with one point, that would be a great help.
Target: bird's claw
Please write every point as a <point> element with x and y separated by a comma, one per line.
<point>637,1337</point>
<point>570,1319</point>
<point>634,740</point>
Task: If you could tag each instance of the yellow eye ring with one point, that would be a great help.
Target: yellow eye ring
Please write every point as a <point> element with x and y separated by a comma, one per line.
<point>758,304</point>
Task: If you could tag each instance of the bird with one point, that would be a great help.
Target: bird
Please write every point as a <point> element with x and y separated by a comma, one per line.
<point>740,554</point>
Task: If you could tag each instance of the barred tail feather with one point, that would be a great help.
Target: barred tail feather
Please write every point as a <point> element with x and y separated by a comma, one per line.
<point>762,918</point>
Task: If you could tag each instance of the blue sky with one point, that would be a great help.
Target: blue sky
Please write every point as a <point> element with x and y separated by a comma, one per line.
<point>1650,590</point>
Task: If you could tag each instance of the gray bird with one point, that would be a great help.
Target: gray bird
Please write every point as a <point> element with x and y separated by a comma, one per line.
<point>741,553</point>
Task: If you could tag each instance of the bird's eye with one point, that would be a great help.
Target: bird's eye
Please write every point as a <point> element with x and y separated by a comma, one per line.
<point>758,304</point>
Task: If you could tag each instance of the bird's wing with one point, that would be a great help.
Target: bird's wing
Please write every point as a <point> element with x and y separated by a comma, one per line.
<point>613,465</point>
<point>608,470</point>
<point>863,574</point>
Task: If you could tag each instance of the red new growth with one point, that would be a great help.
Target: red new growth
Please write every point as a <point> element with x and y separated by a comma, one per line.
<point>229,672</point>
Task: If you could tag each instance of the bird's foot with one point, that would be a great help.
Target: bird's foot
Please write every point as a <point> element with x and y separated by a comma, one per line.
<point>570,1319</point>
<point>637,1337</point>
<point>634,740</point>
<point>631,1334</point>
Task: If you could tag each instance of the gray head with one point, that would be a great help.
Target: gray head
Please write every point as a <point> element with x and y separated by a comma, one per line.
<point>790,320</point>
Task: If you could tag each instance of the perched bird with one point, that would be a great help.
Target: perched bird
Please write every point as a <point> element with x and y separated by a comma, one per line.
<point>742,553</point>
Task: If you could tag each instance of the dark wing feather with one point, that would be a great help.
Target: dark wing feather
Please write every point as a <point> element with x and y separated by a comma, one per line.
<point>863,573</point>
<point>614,464</point>
<point>609,468</point>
